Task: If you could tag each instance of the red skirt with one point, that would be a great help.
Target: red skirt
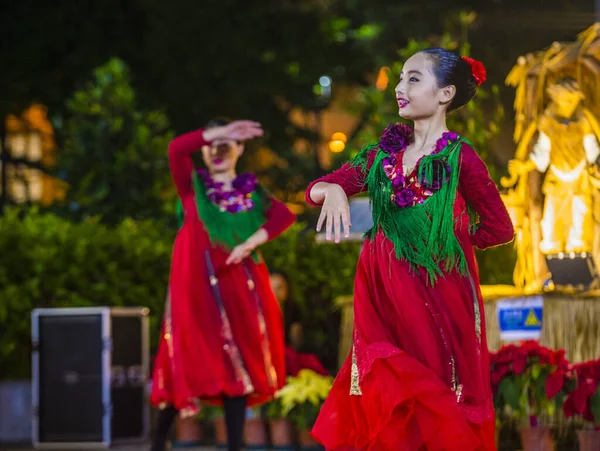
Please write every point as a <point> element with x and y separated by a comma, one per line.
<point>418,375</point>
<point>214,344</point>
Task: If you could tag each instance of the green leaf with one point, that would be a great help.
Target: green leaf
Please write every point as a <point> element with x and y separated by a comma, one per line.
<point>510,391</point>
<point>368,32</point>
<point>559,400</point>
<point>595,406</point>
<point>111,145</point>
<point>536,370</point>
<point>75,264</point>
<point>293,69</point>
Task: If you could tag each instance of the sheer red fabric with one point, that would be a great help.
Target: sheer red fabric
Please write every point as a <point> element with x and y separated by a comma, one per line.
<point>418,375</point>
<point>207,351</point>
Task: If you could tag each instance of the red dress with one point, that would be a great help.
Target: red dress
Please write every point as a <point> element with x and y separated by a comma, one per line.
<point>210,349</point>
<point>418,375</point>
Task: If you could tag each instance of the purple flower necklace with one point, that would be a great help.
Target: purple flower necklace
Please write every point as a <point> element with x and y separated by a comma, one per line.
<point>409,190</point>
<point>235,200</point>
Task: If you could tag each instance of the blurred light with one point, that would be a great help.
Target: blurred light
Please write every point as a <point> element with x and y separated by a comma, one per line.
<point>383,78</point>
<point>325,81</point>
<point>336,146</point>
<point>339,136</point>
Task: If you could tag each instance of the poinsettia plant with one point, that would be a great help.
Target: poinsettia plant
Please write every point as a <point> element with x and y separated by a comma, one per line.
<point>302,397</point>
<point>294,363</point>
<point>584,400</point>
<point>530,380</point>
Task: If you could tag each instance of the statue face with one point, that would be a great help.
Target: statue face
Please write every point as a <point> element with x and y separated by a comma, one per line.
<point>566,98</point>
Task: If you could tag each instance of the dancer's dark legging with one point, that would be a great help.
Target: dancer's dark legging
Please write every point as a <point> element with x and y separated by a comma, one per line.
<point>235,410</point>
<point>163,426</point>
<point>235,415</point>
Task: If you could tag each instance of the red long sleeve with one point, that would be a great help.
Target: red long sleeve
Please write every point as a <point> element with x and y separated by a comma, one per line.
<point>480,192</point>
<point>180,149</point>
<point>351,178</point>
<point>279,218</point>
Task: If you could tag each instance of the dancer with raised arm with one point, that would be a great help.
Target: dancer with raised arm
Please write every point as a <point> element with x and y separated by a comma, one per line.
<point>222,335</point>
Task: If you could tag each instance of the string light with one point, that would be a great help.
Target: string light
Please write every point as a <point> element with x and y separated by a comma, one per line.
<point>383,78</point>
<point>338,142</point>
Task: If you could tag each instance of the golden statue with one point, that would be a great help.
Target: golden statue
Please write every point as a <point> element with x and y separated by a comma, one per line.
<point>554,177</point>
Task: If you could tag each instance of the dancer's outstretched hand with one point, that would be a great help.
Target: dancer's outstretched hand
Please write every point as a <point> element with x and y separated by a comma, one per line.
<point>235,131</point>
<point>335,213</point>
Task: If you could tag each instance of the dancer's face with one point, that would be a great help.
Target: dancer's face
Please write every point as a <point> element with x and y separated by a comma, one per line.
<point>417,93</point>
<point>222,156</point>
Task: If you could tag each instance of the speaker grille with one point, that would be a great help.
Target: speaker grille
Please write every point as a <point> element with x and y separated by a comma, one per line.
<point>70,372</point>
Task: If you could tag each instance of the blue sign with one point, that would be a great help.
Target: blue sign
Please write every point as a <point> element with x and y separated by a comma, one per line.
<point>520,318</point>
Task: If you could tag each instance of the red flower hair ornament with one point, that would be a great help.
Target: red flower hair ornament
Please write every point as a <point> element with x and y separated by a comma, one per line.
<point>477,69</point>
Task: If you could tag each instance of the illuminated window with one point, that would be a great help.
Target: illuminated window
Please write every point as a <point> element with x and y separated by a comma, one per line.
<point>24,184</point>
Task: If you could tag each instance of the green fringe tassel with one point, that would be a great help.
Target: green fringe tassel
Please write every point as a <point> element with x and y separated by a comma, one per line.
<point>362,159</point>
<point>224,228</point>
<point>179,212</point>
<point>422,235</point>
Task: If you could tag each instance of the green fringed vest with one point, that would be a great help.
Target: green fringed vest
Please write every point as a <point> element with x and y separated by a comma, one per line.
<point>422,235</point>
<point>224,228</point>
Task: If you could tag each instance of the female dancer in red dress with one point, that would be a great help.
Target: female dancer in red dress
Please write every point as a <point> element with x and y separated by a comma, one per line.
<point>418,374</point>
<point>222,338</point>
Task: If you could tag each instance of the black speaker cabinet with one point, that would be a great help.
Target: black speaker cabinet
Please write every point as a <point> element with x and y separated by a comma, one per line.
<point>90,373</point>
<point>572,269</point>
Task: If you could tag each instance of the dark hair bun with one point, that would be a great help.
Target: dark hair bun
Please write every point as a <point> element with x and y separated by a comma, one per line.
<point>451,69</point>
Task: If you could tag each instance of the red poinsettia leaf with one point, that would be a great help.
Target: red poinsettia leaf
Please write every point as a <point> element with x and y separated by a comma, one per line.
<point>568,408</point>
<point>530,346</point>
<point>312,362</point>
<point>503,358</point>
<point>579,400</point>
<point>554,383</point>
<point>558,357</point>
<point>588,415</point>
<point>518,365</point>
<point>297,361</point>
<point>498,373</point>
<point>589,386</point>
<point>546,356</point>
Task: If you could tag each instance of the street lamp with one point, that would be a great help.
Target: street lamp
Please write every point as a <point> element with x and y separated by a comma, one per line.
<point>323,97</point>
<point>325,83</point>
